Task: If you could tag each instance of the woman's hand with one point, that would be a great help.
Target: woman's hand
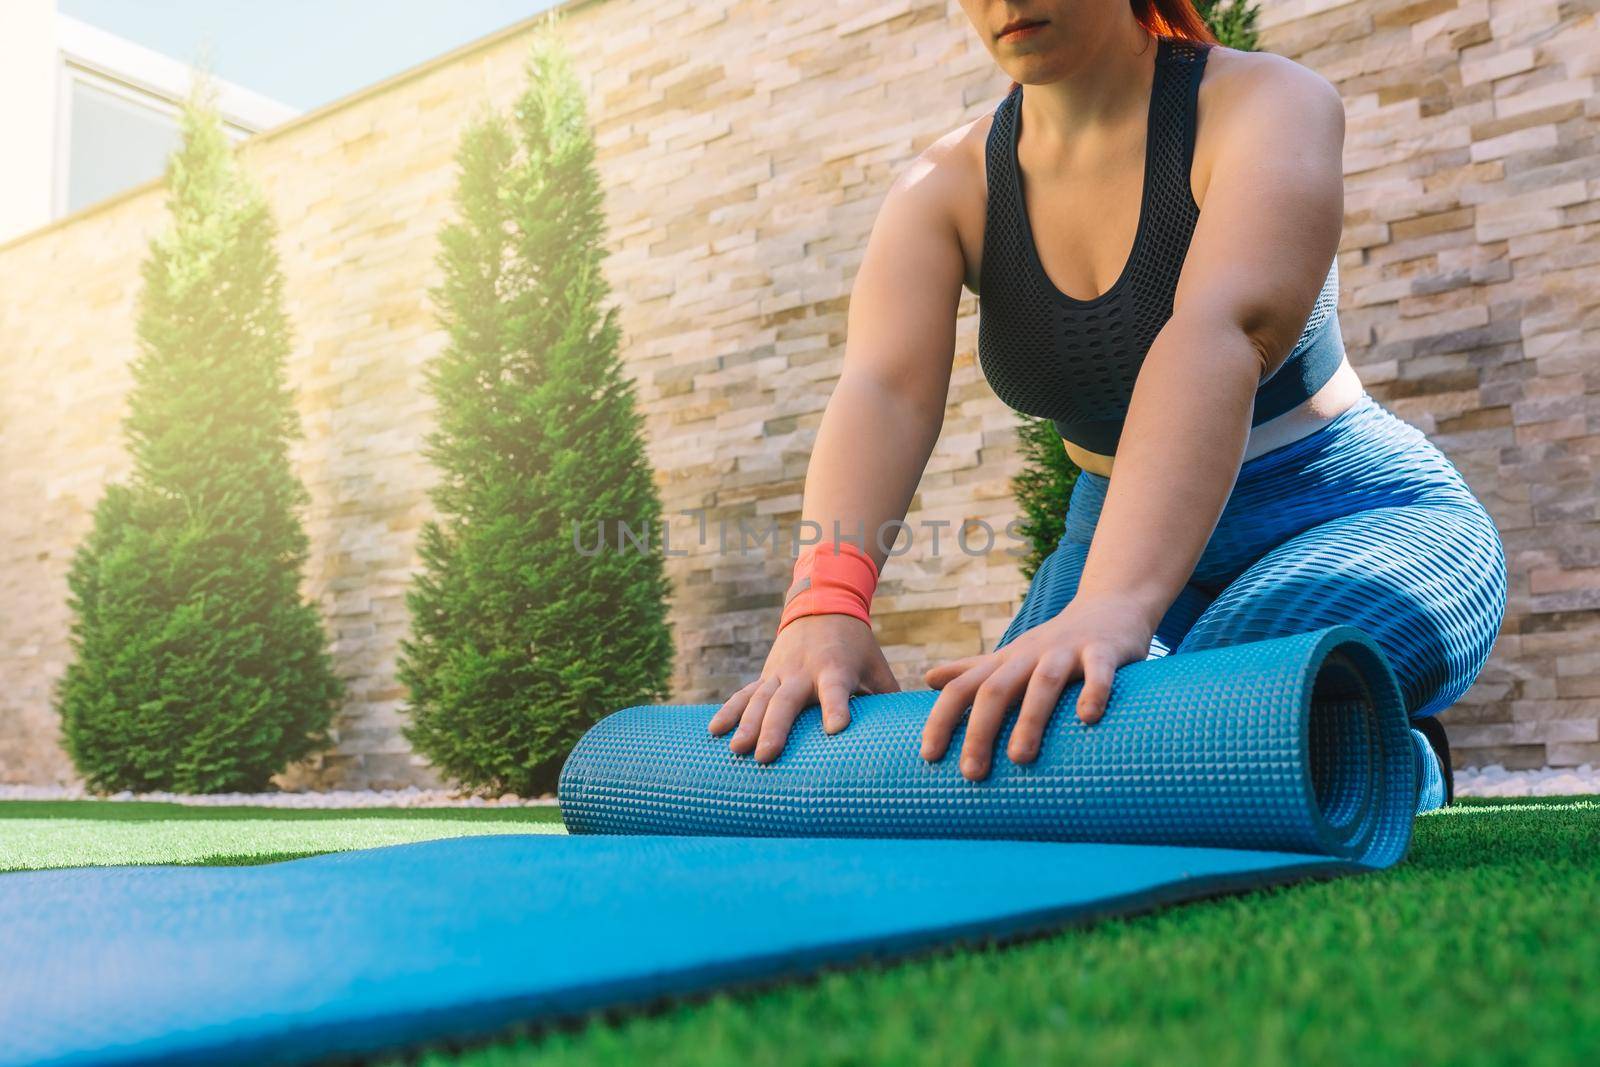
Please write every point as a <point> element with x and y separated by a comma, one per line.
<point>1089,639</point>
<point>815,659</point>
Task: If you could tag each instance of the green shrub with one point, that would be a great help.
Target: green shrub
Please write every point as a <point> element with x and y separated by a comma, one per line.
<point>1233,21</point>
<point>198,667</point>
<point>519,640</point>
<point>1041,489</point>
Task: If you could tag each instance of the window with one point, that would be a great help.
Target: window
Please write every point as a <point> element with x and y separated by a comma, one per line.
<point>116,106</point>
<point>117,136</point>
<point>114,143</point>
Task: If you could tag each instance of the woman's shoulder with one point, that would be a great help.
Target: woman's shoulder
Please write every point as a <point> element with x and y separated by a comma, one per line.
<point>1252,101</point>
<point>952,163</point>
<point>945,184</point>
<point>1254,84</point>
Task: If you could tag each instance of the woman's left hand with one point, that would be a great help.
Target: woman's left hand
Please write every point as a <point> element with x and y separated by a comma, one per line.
<point>1089,639</point>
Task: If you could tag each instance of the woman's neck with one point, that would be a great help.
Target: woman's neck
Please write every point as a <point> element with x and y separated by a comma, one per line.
<point>1107,85</point>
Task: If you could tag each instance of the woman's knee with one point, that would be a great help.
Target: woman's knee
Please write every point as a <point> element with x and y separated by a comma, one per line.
<point>1427,582</point>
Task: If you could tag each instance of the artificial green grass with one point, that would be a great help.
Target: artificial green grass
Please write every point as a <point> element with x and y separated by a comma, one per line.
<point>88,833</point>
<point>1483,948</point>
<point>1480,949</point>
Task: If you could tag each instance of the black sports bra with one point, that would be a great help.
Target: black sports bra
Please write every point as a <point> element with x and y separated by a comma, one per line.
<point>1075,361</point>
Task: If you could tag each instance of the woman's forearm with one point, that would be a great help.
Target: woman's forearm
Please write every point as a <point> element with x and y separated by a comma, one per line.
<point>1182,444</point>
<point>870,451</point>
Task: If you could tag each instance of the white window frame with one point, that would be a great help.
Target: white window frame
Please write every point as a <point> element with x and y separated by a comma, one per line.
<point>144,78</point>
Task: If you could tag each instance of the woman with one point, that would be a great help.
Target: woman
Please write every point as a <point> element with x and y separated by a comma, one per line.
<point>1151,228</point>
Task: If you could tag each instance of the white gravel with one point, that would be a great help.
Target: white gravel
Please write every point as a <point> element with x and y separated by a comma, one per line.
<point>1495,781</point>
<point>1491,781</point>
<point>354,798</point>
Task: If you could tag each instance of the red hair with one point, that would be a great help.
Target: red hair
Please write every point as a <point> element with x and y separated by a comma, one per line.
<point>1173,18</point>
<point>1169,18</point>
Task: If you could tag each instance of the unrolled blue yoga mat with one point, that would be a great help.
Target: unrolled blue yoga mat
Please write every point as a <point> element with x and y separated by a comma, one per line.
<point>1211,772</point>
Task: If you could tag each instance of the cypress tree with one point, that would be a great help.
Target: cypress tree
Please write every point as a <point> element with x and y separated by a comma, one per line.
<point>198,667</point>
<point>520,638</point>
<point>1044,484</point>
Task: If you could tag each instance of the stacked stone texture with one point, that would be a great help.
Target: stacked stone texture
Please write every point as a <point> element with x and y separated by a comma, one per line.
<point>745,148</point>
<point>1471,267</point>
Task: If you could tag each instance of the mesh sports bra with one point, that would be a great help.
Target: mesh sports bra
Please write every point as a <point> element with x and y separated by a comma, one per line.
<point>1075,361</point>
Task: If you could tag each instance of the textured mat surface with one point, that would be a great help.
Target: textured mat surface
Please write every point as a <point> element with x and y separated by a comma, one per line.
<point>1211,772</point>
<point>1298,743</point>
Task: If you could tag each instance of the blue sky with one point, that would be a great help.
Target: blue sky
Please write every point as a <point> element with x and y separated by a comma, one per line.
<point>303,52</point>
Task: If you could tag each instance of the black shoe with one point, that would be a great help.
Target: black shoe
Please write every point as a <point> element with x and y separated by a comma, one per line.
<point>1431,728</point>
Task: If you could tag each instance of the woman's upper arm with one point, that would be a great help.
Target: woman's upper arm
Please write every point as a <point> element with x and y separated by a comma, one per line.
<point>901,328</point>
<point>1274,204</point>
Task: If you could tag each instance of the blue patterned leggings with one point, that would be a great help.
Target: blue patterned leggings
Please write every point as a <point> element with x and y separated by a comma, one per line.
<point>1363,521</point>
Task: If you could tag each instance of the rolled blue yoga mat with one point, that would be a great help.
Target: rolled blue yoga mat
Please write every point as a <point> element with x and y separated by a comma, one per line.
<point>1211,772</point>
<point>1295,744</point>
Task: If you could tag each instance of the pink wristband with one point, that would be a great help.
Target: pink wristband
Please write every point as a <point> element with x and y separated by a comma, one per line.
<point>832,579</point>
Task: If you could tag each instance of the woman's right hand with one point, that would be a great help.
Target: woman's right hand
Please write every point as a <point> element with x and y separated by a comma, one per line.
<point>816,659</point>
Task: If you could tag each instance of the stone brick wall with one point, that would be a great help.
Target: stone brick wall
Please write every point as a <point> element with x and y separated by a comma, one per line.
<point>745,149</point>
<point>1471,267</point>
